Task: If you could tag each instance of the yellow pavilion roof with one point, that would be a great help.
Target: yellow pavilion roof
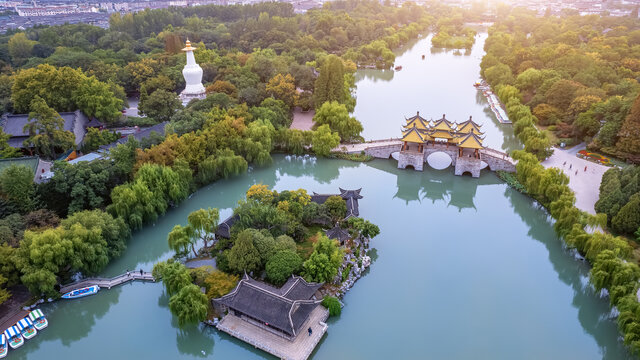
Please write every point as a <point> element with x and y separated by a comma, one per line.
<point>413,136</point>
<point>442,134</point>
<point>469,126</point>
<point>470,141</point>
<point>443,124</point>
<point>417,121</point>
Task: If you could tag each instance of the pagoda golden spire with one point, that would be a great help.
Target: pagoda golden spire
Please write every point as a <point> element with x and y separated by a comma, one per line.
<point>188,46</point>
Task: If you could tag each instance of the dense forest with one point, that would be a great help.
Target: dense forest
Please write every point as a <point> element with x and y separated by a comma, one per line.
<point>578,74</point>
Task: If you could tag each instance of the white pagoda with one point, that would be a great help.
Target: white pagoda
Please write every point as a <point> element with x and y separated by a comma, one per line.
<point>192,73</point>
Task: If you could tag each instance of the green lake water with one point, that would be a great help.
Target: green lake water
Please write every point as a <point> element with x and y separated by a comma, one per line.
<point>463,268</point>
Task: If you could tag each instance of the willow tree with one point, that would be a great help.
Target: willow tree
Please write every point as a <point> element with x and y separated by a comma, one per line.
<point>204,223</point>
<point>189,305</point>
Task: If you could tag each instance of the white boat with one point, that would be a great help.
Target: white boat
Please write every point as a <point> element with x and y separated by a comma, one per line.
<point>27,330</point>
<point>82,292</point>
<point>38,319</point>
<point>4,348</point>
<point>13,337</point>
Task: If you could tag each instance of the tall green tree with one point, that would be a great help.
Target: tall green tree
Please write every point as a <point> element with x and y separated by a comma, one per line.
<point>324,140</point>
<point>96,99</point>
<point>324,262</point>
<point>161,105</point>
<point>20,48</point>
<point>85,185</point>
<point>629,134</point>
<point>627,220</point>
<point>16,185</point>
<point>329,85</point>
<point>114,231</point>
<point>243,256</point>
<point>337,117</point>
<point>46,130</point>
<point>281,265</point>
<point>181,239</point>
<point>204,223</point>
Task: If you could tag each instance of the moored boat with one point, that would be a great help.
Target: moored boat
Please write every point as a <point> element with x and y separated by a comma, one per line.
<point>27,330</point>
<point>399,67</point>
<point>13,336</point>
<point>4,348</point>
<point>78,293</point>
<point>38,319</point>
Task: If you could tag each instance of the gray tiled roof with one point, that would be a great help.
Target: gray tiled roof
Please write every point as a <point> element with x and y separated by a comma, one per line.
<point>338,233</point>
<point>143,133</point>
<point>350,196</point>
<point>13,124</point>
<point>285,309</point>
<point>224,229</point>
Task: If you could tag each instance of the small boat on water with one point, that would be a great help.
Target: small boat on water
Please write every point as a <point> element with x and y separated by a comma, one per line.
<point>85,291</point>
<point>27,330</point>
<point>399,67</point>
<point>38,319</point>
<point>4,348</point>
<point>14,338</point>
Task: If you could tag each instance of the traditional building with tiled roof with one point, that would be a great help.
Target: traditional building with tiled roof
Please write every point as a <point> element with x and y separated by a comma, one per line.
<point>281,310</point>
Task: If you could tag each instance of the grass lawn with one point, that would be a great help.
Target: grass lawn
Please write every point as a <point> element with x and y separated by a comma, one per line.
<point>305,248</point>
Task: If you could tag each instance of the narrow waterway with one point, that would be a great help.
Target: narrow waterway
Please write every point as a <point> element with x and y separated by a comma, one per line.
<point>441,83</point>
<point>463,268</point>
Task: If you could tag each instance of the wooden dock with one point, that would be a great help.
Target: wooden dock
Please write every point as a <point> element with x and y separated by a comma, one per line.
<point>106,282</point>
<point>298,349</point>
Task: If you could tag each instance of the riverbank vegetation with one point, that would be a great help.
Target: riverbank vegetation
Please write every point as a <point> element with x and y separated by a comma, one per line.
<point>259,61</point>
<point>452,34</point>
<point>269,241</point>
<point>565,68</point>
<point>577,74</point>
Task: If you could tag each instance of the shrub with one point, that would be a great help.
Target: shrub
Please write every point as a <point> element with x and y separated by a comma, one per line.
<point>333,304</point>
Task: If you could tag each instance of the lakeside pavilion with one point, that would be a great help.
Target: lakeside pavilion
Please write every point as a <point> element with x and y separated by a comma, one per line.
<point>287,322</point>
<point>419,132</point>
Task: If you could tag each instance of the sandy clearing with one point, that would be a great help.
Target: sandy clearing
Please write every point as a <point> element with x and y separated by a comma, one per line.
<point>302,120</point>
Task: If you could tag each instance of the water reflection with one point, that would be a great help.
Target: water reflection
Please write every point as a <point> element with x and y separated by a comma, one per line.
<point>435,185</point>
<point>83,317</point>
<point>573,272</point>
<point>374,75</point>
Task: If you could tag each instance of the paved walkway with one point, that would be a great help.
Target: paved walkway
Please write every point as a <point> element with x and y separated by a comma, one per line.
<point>196,263</point>
<point>356,148</point>
<point>302,120</point>
<point>585,184</point>
<point>298,349</point>
<point>108,283</point>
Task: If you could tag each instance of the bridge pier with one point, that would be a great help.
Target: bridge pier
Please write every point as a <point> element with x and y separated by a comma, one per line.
<point>467,164</point>
<point>411,158</point>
